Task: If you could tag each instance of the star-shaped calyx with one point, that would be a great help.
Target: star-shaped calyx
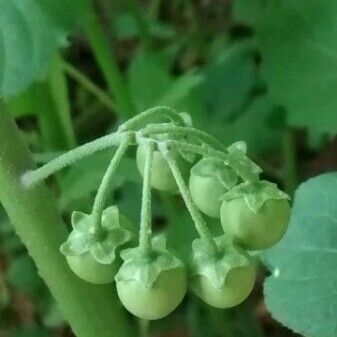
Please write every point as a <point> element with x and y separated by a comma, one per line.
<point>240,163</point>
<point>147,268</point>
<point>255,194</point>
<point>102,243</point>
<point>216,268</point>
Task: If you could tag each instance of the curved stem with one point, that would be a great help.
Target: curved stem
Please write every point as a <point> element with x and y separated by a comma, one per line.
<point>197,218</point>
<point>199,149</point>
<point>30,178</point>
<point>146,116</point>
<point>103,189</point>
<point>145,216</point>
<point>184,131</point>
<point>90,86</point>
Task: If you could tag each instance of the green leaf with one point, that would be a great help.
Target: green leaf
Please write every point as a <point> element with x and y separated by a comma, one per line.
<point>301,293</point>
<point>299,47</point>
<point>247,11</point>
<point>30,33</point>
<point>229,81</point>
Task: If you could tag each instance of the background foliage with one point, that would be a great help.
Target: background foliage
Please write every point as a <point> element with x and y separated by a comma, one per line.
<point>253,70</point>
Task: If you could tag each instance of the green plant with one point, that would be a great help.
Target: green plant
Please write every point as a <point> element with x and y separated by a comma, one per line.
<point>221,274</point>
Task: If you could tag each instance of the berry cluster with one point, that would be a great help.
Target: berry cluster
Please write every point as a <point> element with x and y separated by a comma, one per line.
<point>219,182</point>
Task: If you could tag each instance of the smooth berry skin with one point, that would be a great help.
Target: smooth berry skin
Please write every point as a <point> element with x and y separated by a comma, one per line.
<point>255,231</point>
<point>158,301</point>
<point>237,287</point>
<point>161,175</point>
<point>90,270</point>
<point>205,193</point>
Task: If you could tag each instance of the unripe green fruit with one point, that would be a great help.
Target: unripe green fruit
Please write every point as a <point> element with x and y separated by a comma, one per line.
<point>255,231</point>
<point>161,175</point>
<point>158,301</point>
<point>238,285</point>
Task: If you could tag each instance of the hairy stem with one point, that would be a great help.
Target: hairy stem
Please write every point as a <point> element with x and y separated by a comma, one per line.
<point>103,189</point>
<point>184,131</point>
<point>147,116</point>
<point>32,177</point>
<point>90,86</point>
<point>197,218</point>
<point>145,216</point>
<point>36,219</point>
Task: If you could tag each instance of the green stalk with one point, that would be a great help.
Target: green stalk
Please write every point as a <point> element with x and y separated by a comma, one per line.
<point>149,115</point>
<point>90,309</point>
<point>103,189</point>
<point>184,131</point>
<point>32,177</point>
<point>59,92</point>
<point>197,218</point>
<point>145,216</point>
<point>108,63</point>
<point>88,85</point>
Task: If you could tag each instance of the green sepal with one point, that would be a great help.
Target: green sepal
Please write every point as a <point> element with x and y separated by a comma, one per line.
<point>216,268</point>
<point>240,163</point>
<point>146,269</point>
<point>256,194</point>
<point>210,167</point>
<point>102,245</point>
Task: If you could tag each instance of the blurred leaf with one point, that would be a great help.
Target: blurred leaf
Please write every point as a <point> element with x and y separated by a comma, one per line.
<point>31,331</point>
<point>299,48</point>
<point>127,28</point>
<point>151,82</point>
<point>84,177</point>
<point>247,11</point>
<point>301,293</point>
<point>31,31</point>
<point>252,126</point>
<point>229,81</point>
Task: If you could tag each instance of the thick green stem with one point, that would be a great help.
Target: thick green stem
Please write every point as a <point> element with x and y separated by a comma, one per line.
<point>108,63</point>
<point>90,86</point>
<point>103,189</point>
<point>90,309</point>
<point>146,216</point>
<point>147,116</point>
<point>184,131</point>
<point>32,177</point>
<point>197,218</point>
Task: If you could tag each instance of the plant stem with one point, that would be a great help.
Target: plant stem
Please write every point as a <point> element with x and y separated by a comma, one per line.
<point>148,115</point>
<point>90,86</point>
<point>197,218</point>
<point>290,162</point>
<point>145,216</point>
<point>103,189</point>
<point>59,92</point>
<point>91,310</point>
<point>108,63</point>
<point>184,131</point>
<point>144,325</point>
<point>30,178</point>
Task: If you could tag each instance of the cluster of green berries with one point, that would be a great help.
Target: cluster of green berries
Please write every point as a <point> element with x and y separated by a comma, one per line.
<point>215,181</point>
